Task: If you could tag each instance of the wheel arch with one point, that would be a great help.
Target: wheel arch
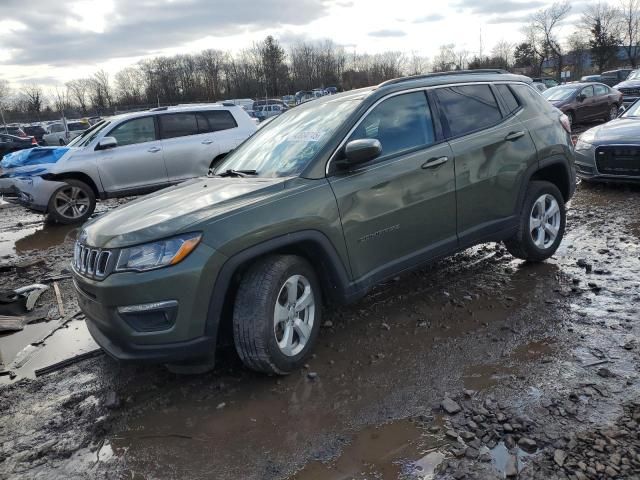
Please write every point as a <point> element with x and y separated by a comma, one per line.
<point>83,177</point>
<point>311,245</point>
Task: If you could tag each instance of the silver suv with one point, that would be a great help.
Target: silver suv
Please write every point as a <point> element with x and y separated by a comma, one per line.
<point>125,155</point>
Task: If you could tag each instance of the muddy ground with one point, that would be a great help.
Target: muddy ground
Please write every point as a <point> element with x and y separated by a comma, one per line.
<point>480,366</point>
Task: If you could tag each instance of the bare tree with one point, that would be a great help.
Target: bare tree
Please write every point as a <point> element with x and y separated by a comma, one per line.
<point>630,28</point>
<point>417,65</point>
<point>33,98</point>
<point>79,92</point>
<point>503,52</point>
<point>445,59</point>
<point>545,24</point>
<point>462,59</point>
<point>100,90</point>
<point>61,99</point>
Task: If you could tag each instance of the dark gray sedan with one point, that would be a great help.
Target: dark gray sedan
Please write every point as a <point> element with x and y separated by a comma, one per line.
<point>611,152</point>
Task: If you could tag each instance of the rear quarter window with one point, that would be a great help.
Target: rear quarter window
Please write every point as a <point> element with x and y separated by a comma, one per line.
<point>218,120</point>
<point>468,108</point>
<point>178,125</point>
<point>534,102</point>
<point>510,101</point>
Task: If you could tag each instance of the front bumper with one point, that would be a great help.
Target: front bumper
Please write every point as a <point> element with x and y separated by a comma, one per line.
<point>587,169</point>
<point>189,283</point>
<point>35,192</point>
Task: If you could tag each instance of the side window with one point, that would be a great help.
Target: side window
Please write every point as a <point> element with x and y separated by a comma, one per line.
<point>139,130</point>
<point>587,91</point>
<point>178,125</point>
<point>56,128</point>
<point>399,123</point>
<point>600,90</point>
<point>510,101</point>
<point>220,120</point>
<point>468,108</point>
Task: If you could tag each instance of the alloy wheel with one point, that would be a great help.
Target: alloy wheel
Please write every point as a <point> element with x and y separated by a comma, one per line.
<point>544,221</point>
<point>294,315</point>
<point>613,112</point>
<point>71,202</point>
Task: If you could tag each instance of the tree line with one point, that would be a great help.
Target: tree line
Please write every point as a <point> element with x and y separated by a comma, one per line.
<point>267,69</point>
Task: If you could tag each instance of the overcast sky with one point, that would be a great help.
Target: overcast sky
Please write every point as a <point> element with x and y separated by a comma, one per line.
<point>53,41</point>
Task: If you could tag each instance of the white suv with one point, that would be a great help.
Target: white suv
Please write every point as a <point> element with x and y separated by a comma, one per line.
<point>57,135</point>
<point>125,155</point>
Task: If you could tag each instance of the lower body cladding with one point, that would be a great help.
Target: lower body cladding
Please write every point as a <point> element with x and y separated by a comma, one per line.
<point>161,315</point>
<point>609,163</point>
<point>35,192</point>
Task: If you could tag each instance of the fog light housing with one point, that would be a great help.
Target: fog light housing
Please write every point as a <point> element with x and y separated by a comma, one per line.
<point>150,317</point>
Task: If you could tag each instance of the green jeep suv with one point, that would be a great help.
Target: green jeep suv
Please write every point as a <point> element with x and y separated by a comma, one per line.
<point>326,201</point>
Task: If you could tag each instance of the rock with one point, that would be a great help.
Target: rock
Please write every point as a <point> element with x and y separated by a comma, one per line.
<point>452,434</point>
<point>471,453</point>
<point>328,324</point>
<point>606,373</point>
<point>559,456</point>
<point>528,445</point>
<point>312,375</point>
<point>469,393</point>
<point>611,472</point>
<point>501,417</point>
<point>385,326</point>
<point>450,406</point>
<point>511,468</point>
<point>507,427</point>
<point>111,400</point>
<point>221,405</point>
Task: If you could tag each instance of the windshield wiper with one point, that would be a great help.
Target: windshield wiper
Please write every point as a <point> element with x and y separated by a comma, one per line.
<point>237,173</point>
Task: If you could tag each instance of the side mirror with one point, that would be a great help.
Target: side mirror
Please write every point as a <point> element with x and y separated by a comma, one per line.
<point>107,143</point>
<point>361,151</point>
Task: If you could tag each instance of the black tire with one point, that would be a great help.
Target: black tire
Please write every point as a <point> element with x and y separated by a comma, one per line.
<point>613,113</point>
<point>522,244</point>
<point>54,213</point>
<point>254,326</point>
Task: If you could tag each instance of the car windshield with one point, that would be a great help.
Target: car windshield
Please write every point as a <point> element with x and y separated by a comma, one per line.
<point>287,145</point>
<point>73,126</point>
<point>88,135</point>
<point>558,93</point>
<point>634,75</point>
<point>632,111</point>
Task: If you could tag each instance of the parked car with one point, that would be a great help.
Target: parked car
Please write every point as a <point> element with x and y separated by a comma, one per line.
<point>318,207</point>
<point>304,96</point>
<point>36,131</point>
<point>585,101</point>
<point>125,155</point>
<point>13,130</point>
<point>630,88</point>
<point>611,152</point>
<point>330,90</point>
<point>267,111</point>
<point>546,81</point>
<point>58,136</point>
<point>614,77</point>
<point>591,78</point>
<point>261,103</point>
<point>12,143</point>
<point>541,87</point>
<point>289,100</point>
<point>246,103</point>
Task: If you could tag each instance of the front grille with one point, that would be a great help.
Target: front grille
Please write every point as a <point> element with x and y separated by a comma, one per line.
<point>619,160</point>
<point>93,262</point>
<point>632,92</point>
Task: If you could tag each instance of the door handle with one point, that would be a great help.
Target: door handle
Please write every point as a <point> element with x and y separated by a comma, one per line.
<point>514,136</point>
<point>207,142</point>
<point>154,149</point>
<point>434,162</point>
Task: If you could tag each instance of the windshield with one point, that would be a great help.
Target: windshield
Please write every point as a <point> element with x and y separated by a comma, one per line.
<point>556,94</point>
<point>632,111</point>
<point>287,144</point>
<point>88,135</point>
<point>634,75</point>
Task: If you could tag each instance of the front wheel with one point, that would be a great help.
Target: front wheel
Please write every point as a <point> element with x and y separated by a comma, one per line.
<point>541,225</point>
<point>613,112</point>
<point>74,202</point>
<point>277,314</point>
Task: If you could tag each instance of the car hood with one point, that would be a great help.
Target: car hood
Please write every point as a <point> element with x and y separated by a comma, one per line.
<point>628,84</point>
<point>176,209</point>
<point>620,131</point>
<point>32,161</point>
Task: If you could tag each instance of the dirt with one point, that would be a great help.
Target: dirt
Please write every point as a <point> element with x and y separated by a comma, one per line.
<point>550,348</point>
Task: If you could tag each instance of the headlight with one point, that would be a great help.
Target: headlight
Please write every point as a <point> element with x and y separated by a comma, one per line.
<point>157,254</point>
<point>582,145</point>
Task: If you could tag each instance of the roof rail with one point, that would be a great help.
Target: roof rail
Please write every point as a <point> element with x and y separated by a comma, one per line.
<point>158,109</point>
<point>227,103</point>
<point>443,74</point>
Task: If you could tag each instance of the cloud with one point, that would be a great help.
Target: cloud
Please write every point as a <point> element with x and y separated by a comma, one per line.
<point>434,17</point>
<point>128,31</point>
<point>497,20</point>
<point>487,7</point>
<point>386,33</point>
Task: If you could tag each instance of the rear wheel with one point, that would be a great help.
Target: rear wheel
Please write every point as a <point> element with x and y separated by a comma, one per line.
<point>74,202</point>
<point>542,223</point>
<point>613,113</point>
<point>277,314</point>
<point>572,118</point>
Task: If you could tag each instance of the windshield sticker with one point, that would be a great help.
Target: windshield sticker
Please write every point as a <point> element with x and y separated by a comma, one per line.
<point>304,137</point>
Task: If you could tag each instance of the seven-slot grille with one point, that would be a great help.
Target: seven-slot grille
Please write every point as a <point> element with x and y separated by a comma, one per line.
<point>92,262</point>
<point>632,92</point>
<point>619,160</point>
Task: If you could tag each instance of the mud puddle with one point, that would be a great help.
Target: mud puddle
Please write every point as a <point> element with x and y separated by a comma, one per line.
<point>392,450</point>
<point>35,236</point>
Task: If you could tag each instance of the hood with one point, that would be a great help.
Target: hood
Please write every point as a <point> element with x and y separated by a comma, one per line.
<point>628,84</point>
<point>175,209</point>
<point>621,130</point>
<point>33,157</point>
